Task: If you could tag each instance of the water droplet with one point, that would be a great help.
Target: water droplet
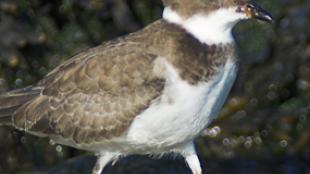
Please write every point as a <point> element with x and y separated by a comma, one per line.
<point>248,144</point>
<point>254,101</point>
<point>59,148</point>
<point>226,142</point>
<point>258,140</point>
<point>23,139</point>
<point>283,143</point>
<point>52,142</point>
<point>234,101</point>
<point>18,82</point>
<point>241,139</point>
<point>249,139</point>
<point>214,132</point>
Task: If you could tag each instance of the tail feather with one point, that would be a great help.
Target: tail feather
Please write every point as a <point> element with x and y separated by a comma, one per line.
<point>6,115</point>
<point>8,111</point>
<point>11,101</point>
<point>6,120</point>
<point>18,97</point>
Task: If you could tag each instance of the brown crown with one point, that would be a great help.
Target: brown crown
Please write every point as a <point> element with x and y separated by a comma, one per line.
<point>190,7</point>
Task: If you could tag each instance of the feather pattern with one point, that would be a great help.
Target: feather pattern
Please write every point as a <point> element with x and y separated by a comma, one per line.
<point>95,96</point>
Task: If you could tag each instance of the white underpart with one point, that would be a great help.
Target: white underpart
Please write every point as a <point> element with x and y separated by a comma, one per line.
<point>214,28</point>
<point>183,111</point>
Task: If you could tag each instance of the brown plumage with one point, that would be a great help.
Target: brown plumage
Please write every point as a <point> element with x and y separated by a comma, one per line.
<point>11,101</point>
<point>150,92</point>
<point>201,6</point>
<point>97,94</point>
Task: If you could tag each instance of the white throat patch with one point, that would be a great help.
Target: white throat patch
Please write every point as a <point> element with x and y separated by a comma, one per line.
<point>214,28</point>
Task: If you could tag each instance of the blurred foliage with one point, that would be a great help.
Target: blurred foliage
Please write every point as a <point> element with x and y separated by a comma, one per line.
<point>266,120</point>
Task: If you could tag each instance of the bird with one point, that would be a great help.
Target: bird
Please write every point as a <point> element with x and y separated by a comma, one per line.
<point>150,92</point>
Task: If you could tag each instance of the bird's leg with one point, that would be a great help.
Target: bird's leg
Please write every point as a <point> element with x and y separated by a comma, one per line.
<point>189,153</point>
<point>193,163</point>
<point>102,161</point>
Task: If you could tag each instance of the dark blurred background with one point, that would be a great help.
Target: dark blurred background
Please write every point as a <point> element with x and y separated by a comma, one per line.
<point>263,128</point>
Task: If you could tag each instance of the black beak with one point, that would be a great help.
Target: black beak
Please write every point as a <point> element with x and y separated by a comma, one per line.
<point>255,11</point>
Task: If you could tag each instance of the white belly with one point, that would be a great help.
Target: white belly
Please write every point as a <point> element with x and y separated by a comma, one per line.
<point>183,111</point>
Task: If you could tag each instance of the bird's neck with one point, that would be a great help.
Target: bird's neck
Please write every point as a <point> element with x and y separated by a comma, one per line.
<point>214,28</point>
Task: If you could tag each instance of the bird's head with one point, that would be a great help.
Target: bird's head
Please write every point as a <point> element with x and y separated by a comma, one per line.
<point>212,17</point>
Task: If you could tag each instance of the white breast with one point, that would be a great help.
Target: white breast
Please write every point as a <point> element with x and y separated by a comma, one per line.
<point>183,110</point>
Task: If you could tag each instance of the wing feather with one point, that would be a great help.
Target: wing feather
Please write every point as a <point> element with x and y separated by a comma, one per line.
<point>94,97</point>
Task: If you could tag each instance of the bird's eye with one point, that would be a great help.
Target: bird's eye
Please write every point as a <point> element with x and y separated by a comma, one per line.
<point>240,9</point>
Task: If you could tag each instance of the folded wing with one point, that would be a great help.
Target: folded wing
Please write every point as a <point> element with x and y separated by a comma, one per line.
<point>94,96</point>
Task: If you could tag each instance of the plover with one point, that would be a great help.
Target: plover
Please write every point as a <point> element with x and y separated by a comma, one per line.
<point>149,92</point>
